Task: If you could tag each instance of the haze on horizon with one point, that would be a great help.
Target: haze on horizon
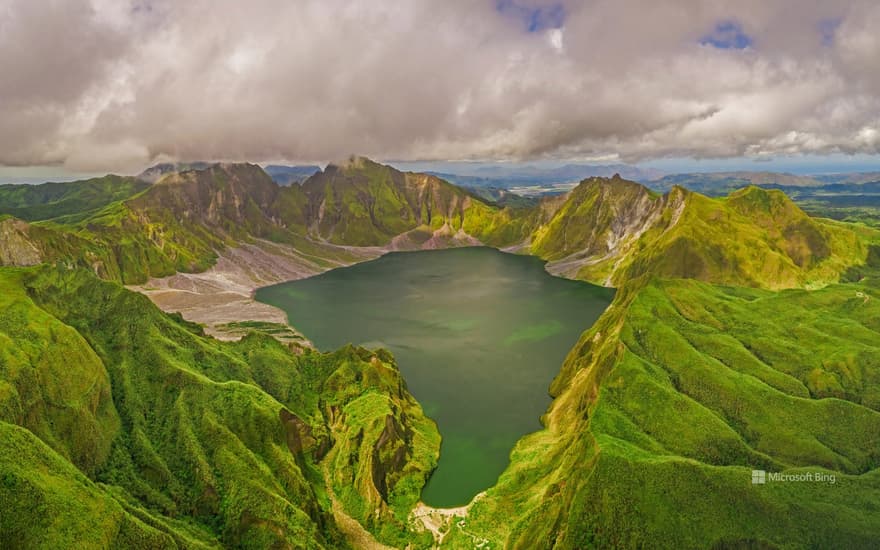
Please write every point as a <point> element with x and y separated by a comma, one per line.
<point>109,85</point>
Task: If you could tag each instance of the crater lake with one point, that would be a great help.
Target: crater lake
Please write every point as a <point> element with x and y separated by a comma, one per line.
<point>478,335</point>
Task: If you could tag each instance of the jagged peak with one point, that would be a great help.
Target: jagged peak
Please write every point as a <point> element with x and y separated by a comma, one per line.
<point>158,171</point>
<point>754,198</point>
<point>232,168</point>
<point>679,193</point>
<point>607,184</point>
<point>353,162</point>
<point>756,191</point>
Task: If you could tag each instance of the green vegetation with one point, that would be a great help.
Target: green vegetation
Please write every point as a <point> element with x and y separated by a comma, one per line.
<point>181,222</point>
<point>178,224</point>
<point>73,201</point>
<point>674,396</point>
<point>363,203</point>
<point>606,230</point>
<point>164,437</point>
<point>281,332</point>
<point>385,485</point>
<point>590,218</point>
<point>852,203</point>
<point>718,184</point>
<point>616,231</point>
<point>853,198</point>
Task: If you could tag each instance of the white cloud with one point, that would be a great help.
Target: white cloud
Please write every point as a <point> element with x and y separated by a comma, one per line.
<point>115,85</point>
<point>554,37</point>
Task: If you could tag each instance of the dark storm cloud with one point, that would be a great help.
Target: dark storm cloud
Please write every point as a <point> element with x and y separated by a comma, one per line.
<point>108,84</point>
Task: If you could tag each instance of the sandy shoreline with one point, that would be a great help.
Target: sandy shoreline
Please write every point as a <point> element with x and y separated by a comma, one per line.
<point>439,521</point>
<point>225,293</point>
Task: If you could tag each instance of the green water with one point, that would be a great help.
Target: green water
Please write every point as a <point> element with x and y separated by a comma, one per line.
<point>478,335</point>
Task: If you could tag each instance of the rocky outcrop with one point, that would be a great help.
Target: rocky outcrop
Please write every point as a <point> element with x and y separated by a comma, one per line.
<point>300,436</point>
<point>229,197</point>
<point>383,448</point>
<point>16,247</point>
<point>596,226</point>
<point>363,203</point>
<point>390,454</point>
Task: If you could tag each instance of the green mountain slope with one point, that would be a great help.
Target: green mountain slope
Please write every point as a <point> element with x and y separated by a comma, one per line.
<point>363,203</point>
<point>611,231</point>
<point>210,443</point>
<point>717,184</point>
<point>184,220</point>
<point>666,405</point>
<point>77,198</point>
<point>48,503</point>
<point>606,230</point>
<point>180,223</point>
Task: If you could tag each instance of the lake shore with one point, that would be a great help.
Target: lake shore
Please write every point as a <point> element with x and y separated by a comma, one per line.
<point>224,293</point>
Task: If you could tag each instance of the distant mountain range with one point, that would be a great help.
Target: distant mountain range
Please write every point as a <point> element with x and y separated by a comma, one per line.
<point>849,178</point>
<point>722,183</point>
<point>711,183</point>
<point>282,175</point>
<point>288,175</point>
<point>718,183</point>
<point>514,175</point>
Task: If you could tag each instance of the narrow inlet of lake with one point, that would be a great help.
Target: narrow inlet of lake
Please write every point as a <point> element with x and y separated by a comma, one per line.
<point>477,334</point>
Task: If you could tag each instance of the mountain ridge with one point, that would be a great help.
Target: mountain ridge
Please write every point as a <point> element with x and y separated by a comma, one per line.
<point>190,216</point>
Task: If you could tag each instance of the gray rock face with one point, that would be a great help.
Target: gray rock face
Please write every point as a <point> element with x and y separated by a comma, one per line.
<point>16,248</point>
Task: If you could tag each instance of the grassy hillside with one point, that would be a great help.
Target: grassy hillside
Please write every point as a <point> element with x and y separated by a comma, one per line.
<point>184,220</point>
<point>177,224</point>
<point>717,184</point>
<point>611,231</point>
<point>363,203</point>
<point>74,199</point>
<point>666,405</point>
<point>595,217</point>
<point>166,437</point>
<point>180,223</point>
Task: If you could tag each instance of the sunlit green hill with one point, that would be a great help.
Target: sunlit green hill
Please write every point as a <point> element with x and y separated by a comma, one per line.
<point>670,401</point>
<point>612,230</point>
<point>66,200</point>
<point>140,432</point>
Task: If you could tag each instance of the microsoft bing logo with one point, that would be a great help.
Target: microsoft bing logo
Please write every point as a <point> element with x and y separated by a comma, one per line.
<point>759,477</point>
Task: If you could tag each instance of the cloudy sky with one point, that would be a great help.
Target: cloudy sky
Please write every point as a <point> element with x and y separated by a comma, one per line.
<point>101,85</point>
